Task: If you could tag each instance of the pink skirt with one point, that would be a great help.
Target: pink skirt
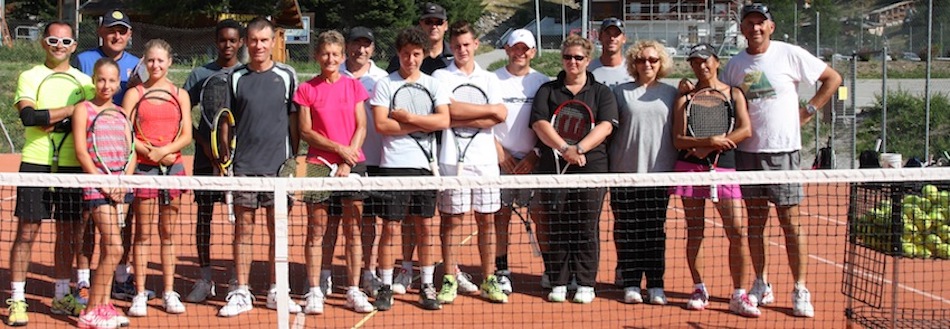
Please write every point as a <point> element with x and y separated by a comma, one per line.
<point>729,191</point>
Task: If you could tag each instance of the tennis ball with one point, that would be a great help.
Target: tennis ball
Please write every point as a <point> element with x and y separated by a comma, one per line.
<point>943,231</point>
<point>909,249</point>
<point>932,241</point>
<point>930,192</point>
<point>943,199</point>
<point>937,215</point>
<point>910,229</point>
<point>943,251</point>
<point>922,252</point>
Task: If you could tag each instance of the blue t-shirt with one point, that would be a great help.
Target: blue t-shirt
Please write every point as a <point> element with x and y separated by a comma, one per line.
<point>85,61</point>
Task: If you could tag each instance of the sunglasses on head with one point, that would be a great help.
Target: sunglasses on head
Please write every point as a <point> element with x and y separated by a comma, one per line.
<point>567,57</point>
<point>433,21</point>
<point>53,41</point>
<point>641,60</point>
<point>755,7</point>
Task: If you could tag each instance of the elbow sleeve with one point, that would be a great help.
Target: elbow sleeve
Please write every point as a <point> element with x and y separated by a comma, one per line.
<point>33,117</point>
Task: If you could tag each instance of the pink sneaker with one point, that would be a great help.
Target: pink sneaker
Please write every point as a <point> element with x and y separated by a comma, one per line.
<point>698,301</point>
<point>744,305</point>
<point>98,318</point>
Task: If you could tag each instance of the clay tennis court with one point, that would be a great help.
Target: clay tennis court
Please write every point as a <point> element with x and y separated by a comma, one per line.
<point>825,218</point>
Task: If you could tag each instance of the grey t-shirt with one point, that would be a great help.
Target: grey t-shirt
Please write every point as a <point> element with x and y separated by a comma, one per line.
<point>611,76</point>
<point>262,104</point>
<point>643,142</point>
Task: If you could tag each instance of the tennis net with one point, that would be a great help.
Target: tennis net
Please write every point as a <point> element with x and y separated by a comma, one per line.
<point>877,246</point>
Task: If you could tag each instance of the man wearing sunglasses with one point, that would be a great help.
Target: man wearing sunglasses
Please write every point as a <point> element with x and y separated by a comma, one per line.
<point>433,22</point>
<point>610,68</point>
<point>769,73</point>
<point>43,116</point>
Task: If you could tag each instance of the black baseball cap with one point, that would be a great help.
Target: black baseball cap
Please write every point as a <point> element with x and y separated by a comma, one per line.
<point>360,32</point>
<point>756,8</point>
<point>431,10</point>
<point>702,50</point>
<point>611,21</point>
<point>115,17</point>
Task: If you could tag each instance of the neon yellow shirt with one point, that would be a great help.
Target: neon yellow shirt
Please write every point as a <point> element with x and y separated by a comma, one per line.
<point>57,91</point>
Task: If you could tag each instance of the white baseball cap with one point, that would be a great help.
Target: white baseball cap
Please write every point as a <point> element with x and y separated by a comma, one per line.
<point>521,36</point>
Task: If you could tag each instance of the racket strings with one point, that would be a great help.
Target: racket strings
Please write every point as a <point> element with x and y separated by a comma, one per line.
<point>472,95</point>
<point>111,140</point>
<point>572,123</point>
<point>417,101</point>
<point>709,115</point>
<point>214,96</point>
<point>158,118</point>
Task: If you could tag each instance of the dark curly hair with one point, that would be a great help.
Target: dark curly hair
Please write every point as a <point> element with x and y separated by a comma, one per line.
<point>413,36</point>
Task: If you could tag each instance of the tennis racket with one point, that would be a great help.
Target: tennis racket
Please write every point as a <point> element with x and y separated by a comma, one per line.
<point>223,141</point>
<point>288,169</point>
<point>472,94</point>
<point>158,126</point>
<point>532,238</point>
<point>113,147</point>
<point>213,97</point>
<point>416,99</point>
<point>572,120</point>
<point>60,89</point>
<point>709,113</point>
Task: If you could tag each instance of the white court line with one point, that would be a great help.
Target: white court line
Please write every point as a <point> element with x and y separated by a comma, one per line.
<point>841,266</point>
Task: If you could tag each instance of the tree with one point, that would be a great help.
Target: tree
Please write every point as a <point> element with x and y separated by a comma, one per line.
<point>44,10</point>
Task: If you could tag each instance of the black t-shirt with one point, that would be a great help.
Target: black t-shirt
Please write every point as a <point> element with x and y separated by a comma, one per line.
<point>429,64</point>
<point>603,105</point>
<point>262,104</point>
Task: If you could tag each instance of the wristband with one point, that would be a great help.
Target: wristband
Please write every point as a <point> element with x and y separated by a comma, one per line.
<point>811,109</point>
<point>564,147</point>
<point>580,150</point>
<point>30,116</point>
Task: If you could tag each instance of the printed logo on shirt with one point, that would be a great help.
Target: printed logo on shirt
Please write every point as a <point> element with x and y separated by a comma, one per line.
<point>756,85</point>
<point>518,100</point>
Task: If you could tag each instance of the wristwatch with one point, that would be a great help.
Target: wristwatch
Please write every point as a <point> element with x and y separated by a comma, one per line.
<point>564,147</point>
<point>811,109</point>
<point>580,150</point>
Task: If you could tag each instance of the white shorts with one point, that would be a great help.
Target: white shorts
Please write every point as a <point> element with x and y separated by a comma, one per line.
<point>485,201</point>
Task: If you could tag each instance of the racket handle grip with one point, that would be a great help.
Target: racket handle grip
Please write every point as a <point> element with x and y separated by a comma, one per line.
<point>459,168</point>
<point>120,214</point>
<point>164,197</point>
<point>713,188</point>
<point>533,240</point>
<point>434,167</point>
<point>229,203</point>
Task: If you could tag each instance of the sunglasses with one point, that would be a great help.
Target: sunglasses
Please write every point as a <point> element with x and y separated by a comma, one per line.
<point>53,41</point>
<point>755,7</point>
<point>578,58</point>
<point>433,21</point>
<point>641,60</point>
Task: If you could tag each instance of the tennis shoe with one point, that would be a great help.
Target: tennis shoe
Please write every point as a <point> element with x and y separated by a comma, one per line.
<point>657,297</point>
<point>68,305</point>
<point>801,303</point>
<point>632,295</point>
<point>272,302</point>
<point>139,306</point>
<point>465,283</point>
<point>200,292</point>
<point>326,285</point>
<point>82,293</point>
<point>428,297</point>
<point>371,285</point>
<point>584,295</point>
<point>558,294</point>
<point>384,298</point>
<point>119,316</point>
<point>698,301</point>
<point>449,290</point>
<point>744,305</point>
<point>314,303</point>
<point>762,292</point>
<point>356,300</point>
<point>16,316</point>
<point>98,318</point>
<point>491,290</point>
<point>402,282</point>
<point>239,301</point>
<point>172,302</point>
<point>504,281</point>
<point>126,290</point>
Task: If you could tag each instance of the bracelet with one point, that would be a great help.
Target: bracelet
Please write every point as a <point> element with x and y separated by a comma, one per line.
<point>564,147</point>
<point>580,150</point>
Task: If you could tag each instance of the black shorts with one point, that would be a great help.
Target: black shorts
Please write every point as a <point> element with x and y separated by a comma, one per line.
<point>397,205</point>
<point>204,197</point>
<point>335,201</point>
<point>33,204</point>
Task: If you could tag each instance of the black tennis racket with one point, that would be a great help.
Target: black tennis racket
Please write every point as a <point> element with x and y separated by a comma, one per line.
<point>472,94</point>
<point>416,99</point>
<point>113,148</point>
<point>223,142</point>
<point>572,120</point>
<point>214,96</point>
<point>63,89</point>
<point>709,113</point>
<point>158,126</point>
<point>532,238</point>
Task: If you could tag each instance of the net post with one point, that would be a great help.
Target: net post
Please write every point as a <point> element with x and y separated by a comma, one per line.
<point>280,254</point>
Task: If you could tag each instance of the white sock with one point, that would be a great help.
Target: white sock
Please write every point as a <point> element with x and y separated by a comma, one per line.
<point>18,290</point>
<point>245,287</point>
<point>122,273</point>
<point>800,286</point>
<point>701,286</point>
<point>62,288</point>
<point>738,293</point>
<point>427,273</point>
<point>387,275</point>
<point>82,277</point>
<point>206,273</point>
<point>352,289</point>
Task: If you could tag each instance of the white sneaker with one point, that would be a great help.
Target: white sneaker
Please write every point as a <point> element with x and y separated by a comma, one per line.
<point>584,295</point>
<point>762,292</point>
<point>200,292</point>
<point>631,295</point>
<point>698,301</point>
<point>272,302</point>
<point>465,283</point>
<point>314,303</point>
<point>545,281</point>
<point>801,303</point>
<point>657,297</point>
<point>172,302</point>
<point>326,285</point>
<point>504,281</point>
<point>402,282</point>
<point>139,306</point>
<point>558,294</point>
<point>357,301</point>
<point>744,305</point>
<point>371,285</point>
<point>239,301</point>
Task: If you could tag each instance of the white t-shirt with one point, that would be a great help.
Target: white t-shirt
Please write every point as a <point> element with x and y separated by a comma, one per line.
<point>611,76</point>
<point>517,93</point>
<point>373,144</point>
<point>482,149</point>
<point>402,151</point>
<point>770,82</point>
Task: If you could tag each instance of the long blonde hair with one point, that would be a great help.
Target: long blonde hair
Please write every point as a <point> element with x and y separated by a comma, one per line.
<point>666,63</point>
